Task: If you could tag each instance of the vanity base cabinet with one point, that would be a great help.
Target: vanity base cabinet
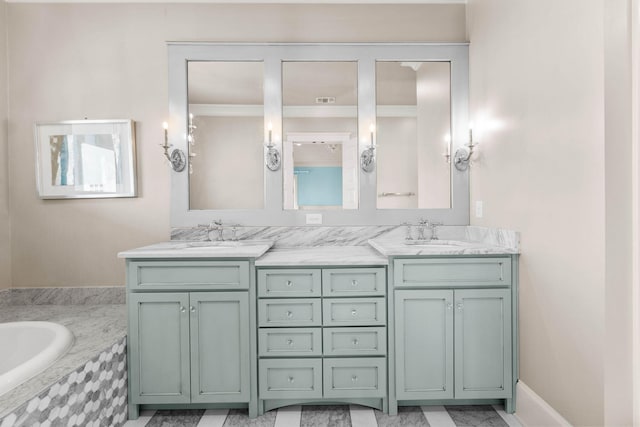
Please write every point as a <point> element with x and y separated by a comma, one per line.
<point>190,349</point>
<point>322,336</point>
<point>454,339</point>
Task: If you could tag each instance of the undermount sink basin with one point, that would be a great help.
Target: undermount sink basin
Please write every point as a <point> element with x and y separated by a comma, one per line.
<point>436,243</point>
<point>223,244</point>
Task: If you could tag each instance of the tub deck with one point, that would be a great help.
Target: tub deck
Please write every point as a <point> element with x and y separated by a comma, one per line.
<point>95,327</point>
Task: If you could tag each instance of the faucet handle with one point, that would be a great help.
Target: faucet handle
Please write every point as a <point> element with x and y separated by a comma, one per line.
<point>408,231</point>
<point>433,226</point>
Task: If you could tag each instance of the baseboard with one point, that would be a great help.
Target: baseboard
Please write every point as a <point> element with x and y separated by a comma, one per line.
<point>533,411</point>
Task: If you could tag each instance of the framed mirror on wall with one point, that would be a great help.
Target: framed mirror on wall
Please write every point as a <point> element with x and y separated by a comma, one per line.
<point>85,159</point>
<point>321,108</point>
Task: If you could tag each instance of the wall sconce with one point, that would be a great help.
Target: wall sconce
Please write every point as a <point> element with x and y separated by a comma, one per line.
<point>447,146</point>
<point>177,158</point>
<point>462,158</point>
<point>272,157</point>
<point>367,157</point>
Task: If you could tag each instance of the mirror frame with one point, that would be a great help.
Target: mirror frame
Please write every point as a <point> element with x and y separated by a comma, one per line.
<point>272,55</point>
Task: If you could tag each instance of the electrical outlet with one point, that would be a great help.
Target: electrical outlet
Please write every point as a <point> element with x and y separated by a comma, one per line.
<point>314,219</point>
<point>479,208</point>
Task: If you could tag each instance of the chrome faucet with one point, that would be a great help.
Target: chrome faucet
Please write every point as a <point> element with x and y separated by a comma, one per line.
<point>422,223</point>
<point>434,230</point>
<point>408,231</point>
<point>216,224</point>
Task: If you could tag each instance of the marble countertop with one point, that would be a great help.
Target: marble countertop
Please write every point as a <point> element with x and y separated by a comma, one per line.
<point>322,255</point>
<point>438,247</point>
<point>201,249</point>
<point>95,328</point>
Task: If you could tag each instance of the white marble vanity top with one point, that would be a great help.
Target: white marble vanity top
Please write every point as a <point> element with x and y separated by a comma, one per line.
<point>322,255</point>
<point>437,247</point>
<point>191,249</point>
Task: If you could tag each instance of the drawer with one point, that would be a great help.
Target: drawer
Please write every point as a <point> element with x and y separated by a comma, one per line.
<point>355,341</point>
<point>354,282</point>
<point>452,272</point>
<point>354,311</point>
<point>289,312</point>
<point>289,283</point>
<point>355,378</point>
<point>188,275</point>
<point>290,378</point>
<point>290,342</point>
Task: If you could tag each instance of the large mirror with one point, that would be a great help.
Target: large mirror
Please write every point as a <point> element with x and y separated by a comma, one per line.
<point>323,108</point>
<point>225,134</point>
<point>320,128</point>
<point>413,115</point>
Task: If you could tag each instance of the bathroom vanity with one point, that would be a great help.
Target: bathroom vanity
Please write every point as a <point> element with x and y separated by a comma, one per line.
<point>244,326</point>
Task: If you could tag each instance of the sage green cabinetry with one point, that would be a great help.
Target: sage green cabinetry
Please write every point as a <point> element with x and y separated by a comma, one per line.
<point>322,336</point>
<point>190,334</point>
<point>454,330</point>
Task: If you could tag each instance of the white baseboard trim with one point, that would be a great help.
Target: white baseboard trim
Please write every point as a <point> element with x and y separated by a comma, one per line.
<point>533,411</point>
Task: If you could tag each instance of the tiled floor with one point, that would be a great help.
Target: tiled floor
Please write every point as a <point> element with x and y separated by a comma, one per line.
<point>333,416</point>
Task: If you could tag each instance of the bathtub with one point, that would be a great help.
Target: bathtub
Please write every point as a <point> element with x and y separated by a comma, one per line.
<point>28,348</point>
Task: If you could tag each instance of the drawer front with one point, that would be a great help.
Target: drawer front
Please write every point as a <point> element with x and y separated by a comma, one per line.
<point>353,282</point>
<point>355,341</point>
<point>289,283</point>
<point>290,342</point>
<point>354,311</point>
<point>188,275</point>
<point>356,378</point>
<point>452,272</point>
<point>289,312</point>
<point>290,378</point>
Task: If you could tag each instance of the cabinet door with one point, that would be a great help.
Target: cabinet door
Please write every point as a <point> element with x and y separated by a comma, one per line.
<point>159,348</point>
<point>483,343</point>
<point>220,364</point>
<point>424,344</point>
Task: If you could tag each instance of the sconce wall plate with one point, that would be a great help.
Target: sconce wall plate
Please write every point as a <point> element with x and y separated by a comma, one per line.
<point>272,158</point>
<point>367,160</point>
<point>178,160</point>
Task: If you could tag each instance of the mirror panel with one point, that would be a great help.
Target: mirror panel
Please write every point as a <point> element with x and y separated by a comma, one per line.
<point>413,118</point>
<point>225,131</point>
<point>320,128</point>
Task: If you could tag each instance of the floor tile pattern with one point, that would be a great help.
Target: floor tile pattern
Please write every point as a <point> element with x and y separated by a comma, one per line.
<point>332,416</point>
<point>93,395</point>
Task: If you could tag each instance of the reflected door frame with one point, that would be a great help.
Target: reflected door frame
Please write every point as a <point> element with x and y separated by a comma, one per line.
<point>349,165</point>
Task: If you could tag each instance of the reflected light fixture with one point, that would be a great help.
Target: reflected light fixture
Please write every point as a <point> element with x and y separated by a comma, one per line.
<point>177,158</point>
<point>191,138</point>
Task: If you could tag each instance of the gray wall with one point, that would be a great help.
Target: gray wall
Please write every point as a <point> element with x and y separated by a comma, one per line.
<point>70,61</point>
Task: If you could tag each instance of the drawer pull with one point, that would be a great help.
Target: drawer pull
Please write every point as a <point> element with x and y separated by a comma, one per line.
<point>355,342</point>
<point>354,378</point>
<point>354,312</point>
<point>289,314</point>
<point>449,306</point>
<point>291,379</point>
<point>459,306</point>
<point>289,283</point>
<point>354,282</point>
<point>192,309</point>
<point>183,309</point>
<point>289,342</point>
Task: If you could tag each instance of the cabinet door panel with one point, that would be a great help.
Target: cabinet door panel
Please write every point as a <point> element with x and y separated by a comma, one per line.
<point>483,343</point>
<point>424,344</point>
<point>219,347</point>
<point>159,348</point>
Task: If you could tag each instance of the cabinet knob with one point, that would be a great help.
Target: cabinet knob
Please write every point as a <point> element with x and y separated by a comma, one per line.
<point>354,378</point>
<point>354,312</point>
<point>354,282</point>
<point>289,314</point>
<point>355,341</point>
<point>182,309</point>
<point>289,283</point>
<point>291,379</point>
<point>192,309</point>
<point>459,306</point>
<point>449,306</point>
<point>289,341</point>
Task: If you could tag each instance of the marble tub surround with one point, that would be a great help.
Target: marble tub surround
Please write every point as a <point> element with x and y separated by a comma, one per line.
<point>324,255</point>
<point>96,328</point>
<point>200,249</point>
<point>63,296</point>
